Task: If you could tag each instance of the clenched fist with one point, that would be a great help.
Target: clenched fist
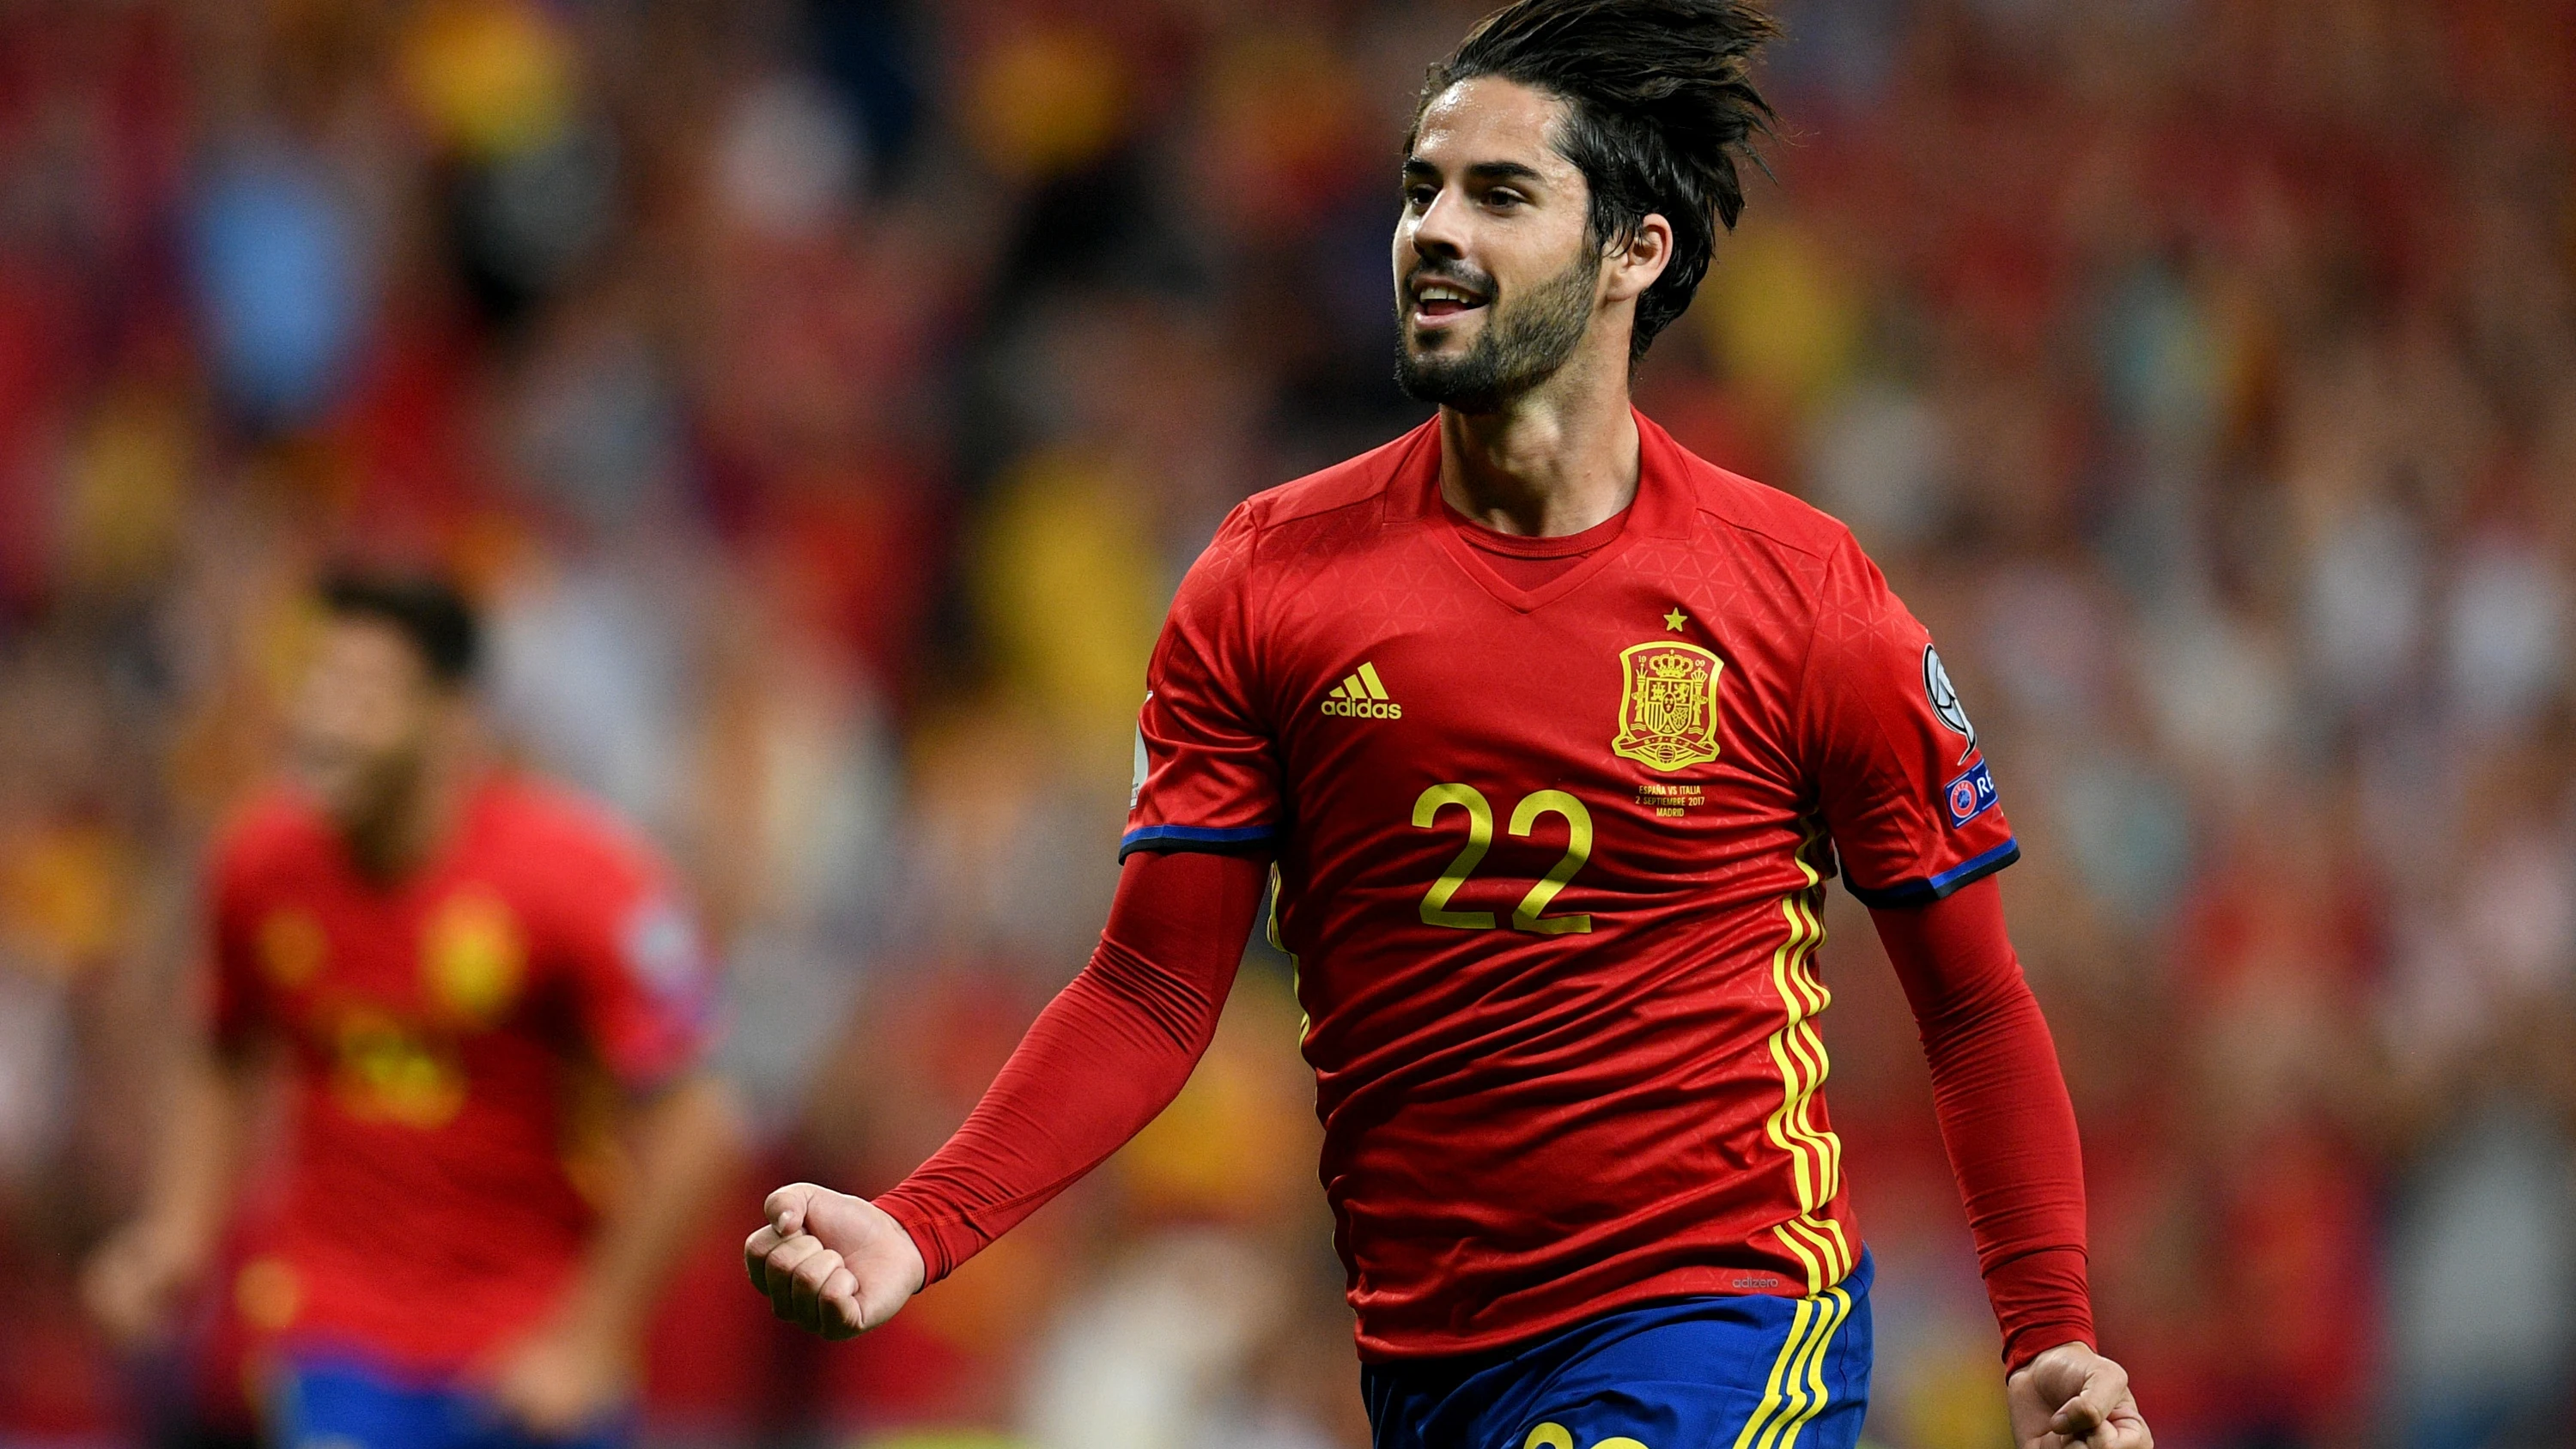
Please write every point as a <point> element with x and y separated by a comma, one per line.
<point>2073,1398</point>
<point>832,1263</point>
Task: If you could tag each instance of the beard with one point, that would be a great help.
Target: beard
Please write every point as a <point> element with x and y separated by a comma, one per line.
<point>1522,344</point>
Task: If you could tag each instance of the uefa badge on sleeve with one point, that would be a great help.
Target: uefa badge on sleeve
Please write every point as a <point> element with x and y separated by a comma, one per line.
<point>1969,796</point>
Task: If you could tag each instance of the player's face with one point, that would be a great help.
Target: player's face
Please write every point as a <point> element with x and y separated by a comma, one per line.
<point>1497,278</point>
<point>363,720</point>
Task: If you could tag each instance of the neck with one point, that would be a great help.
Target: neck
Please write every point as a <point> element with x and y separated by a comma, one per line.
<point>1555,460</point>
<point>415,820</point>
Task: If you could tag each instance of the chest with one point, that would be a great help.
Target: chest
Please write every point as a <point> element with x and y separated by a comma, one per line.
<point>1649,682</point>
<point>1611,744</point>
<point>458,956</point>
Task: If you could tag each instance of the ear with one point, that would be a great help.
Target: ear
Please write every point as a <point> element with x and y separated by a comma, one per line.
<point>1631,269</point>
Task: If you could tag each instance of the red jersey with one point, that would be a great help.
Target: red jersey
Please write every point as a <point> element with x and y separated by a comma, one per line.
<point>439,1030</point>
<point>1549,861</point>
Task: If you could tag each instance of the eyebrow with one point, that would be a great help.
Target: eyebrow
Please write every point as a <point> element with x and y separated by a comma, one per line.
<point>1481,171</point>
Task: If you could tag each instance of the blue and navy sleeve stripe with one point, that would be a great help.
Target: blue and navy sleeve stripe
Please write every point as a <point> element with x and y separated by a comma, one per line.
<point>1924,892</point>
<point>1227,840</point>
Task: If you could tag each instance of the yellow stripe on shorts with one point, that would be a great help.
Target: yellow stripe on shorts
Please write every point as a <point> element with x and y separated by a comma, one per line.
<point>1795,1392</point>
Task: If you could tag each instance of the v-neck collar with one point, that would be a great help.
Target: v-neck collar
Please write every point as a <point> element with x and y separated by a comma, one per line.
<point>1661,509</point>
<point>432,871</point>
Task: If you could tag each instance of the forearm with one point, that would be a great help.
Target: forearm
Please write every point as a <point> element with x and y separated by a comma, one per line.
<point>1104,1058</point>
<point>140,1273</point>
<point>2011,1137</point>
<point>2005,1117</point>
<point>196,1161</point>
<point>687,1142</point>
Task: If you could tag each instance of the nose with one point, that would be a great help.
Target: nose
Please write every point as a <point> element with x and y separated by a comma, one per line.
<point>1441,230</point>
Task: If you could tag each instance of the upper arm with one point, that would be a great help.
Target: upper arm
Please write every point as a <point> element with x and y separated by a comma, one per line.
<point>1891,755</point>
<point>1207,763</point>
<point>640,977</point>
<point>1952,955</point>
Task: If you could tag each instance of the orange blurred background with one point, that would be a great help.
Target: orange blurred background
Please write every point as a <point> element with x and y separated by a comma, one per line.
<point>825,395</point>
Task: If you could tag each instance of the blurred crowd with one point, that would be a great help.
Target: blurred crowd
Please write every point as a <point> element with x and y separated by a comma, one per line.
<point>824,397</point>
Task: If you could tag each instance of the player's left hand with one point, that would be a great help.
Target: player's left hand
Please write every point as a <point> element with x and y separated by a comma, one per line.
<point>2071,1396</point>
<point>564,1379</point>
<point>831,1263</point>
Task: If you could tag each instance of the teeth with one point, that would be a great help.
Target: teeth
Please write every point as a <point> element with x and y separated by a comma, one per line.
<point>1437,293</point>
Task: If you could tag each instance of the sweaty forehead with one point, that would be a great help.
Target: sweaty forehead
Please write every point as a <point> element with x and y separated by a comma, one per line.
<point>1488,121</point>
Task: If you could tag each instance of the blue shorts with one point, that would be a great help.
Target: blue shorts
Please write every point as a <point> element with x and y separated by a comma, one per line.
<point>1748,1372</point>
<point>337,1402</point>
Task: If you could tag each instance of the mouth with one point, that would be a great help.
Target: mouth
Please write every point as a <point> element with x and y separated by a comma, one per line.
<point>1437,303</point>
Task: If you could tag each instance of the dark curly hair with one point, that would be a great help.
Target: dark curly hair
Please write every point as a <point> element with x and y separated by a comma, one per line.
<point>425,608</point>
<point>1660,107</point>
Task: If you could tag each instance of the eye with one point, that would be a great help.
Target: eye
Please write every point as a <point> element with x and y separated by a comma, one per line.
<point>1418,194</point>
<point>1504,198</point>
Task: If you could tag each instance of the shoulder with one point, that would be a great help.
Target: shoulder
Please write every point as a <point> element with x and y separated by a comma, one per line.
<point>1353,482</point>
<point>1298,516</point>
<point>1298,524</point>
<point>1803,558</point>
<point>1755,513</point>
<point>597,890</point>
<point>567,837</point>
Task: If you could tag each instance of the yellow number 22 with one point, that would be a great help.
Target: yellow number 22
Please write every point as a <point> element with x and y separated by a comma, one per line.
<point>1527,916</point>
<point>1554,1436</point>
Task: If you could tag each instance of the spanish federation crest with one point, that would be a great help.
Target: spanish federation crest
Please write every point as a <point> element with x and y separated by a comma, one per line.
<point>473,956</point>
<point>1667,705</point>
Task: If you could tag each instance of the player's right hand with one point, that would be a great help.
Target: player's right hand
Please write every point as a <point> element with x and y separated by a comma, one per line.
<point>832,1263</point>
<point>133,1281</point>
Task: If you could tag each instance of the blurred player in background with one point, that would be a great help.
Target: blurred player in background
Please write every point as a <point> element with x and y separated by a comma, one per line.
<point>1552,734</point>
<point>451,959</point>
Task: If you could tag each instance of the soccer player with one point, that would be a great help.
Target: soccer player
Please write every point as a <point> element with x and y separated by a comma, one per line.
<point>446,954</point>
<point>1551,734</point>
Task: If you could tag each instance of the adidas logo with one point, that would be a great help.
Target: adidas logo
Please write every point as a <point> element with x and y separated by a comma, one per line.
<point>1362,696</point>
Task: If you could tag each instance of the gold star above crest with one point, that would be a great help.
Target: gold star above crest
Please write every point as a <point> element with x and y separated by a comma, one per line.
<point>1675,619</point>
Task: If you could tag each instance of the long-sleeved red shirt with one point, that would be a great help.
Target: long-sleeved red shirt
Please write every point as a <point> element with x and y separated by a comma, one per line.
<point>1116,1046</point>
<point>1551,834</point>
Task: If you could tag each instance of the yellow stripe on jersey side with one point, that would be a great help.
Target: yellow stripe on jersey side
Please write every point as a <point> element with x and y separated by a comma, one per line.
<point>1296,967</point>
<point>1830,1146</point>
<point>1815,1155</point>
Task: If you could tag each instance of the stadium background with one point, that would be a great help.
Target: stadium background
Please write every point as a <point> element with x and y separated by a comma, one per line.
<point>827,395</point>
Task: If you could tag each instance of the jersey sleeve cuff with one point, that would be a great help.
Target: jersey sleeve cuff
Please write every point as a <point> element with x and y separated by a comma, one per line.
<point>1924,892</point>
<point>1225,840</point>
<point>2029,1343</point>
<point>939,1255</point>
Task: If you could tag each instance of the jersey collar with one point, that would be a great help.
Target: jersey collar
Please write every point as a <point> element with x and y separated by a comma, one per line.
<point>1662,509</point>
